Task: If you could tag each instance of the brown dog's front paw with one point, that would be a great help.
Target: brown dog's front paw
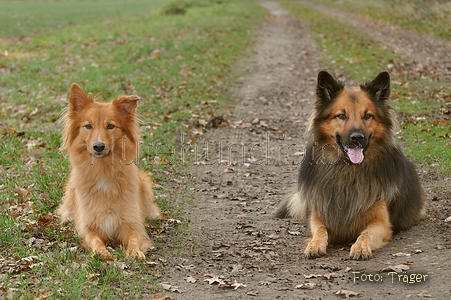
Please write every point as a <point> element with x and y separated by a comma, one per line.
<point>102,251</point>
<point>315,249</point>
<point>361,250</point>
<point>135,253</point>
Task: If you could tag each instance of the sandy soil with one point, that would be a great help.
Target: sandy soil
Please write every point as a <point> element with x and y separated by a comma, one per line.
<point>236,249</point>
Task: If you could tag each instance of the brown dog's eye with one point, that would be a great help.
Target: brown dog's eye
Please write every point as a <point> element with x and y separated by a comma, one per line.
<point>110,126</point>
<point>88,126</point>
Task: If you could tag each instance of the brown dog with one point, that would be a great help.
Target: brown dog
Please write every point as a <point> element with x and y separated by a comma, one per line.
<point>107,197</point>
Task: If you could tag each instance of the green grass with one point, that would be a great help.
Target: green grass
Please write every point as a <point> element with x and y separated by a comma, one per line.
<point>431,17</point>
<point>21,19</point>
<point>429,141</point>
<point>175,62</point>
<point>360,58</point>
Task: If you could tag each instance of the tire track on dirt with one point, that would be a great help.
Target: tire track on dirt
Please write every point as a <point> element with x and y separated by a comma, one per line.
<point>429,53</point>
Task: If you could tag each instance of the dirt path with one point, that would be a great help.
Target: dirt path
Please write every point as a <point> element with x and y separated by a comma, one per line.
<point>427,53</point>
<point>237,250</point>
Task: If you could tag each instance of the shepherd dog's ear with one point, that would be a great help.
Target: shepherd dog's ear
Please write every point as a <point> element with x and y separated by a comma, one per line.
<point>328,87</point>
<point>379,88</point>
<point>78,99</point>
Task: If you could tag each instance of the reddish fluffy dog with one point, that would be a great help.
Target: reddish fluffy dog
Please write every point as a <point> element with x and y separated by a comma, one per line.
<point>107,197</point>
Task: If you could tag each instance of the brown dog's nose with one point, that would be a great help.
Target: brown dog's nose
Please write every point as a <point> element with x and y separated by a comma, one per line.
<point>98,146</point>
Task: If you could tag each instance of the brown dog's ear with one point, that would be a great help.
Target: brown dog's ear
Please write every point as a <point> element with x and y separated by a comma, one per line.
<point>327,87</point>
<point>78,99</point>
<point>126,104</point>
<point>379,88</point>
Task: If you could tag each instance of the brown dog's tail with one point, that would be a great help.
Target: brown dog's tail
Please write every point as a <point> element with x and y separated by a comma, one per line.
<point>292,206</point>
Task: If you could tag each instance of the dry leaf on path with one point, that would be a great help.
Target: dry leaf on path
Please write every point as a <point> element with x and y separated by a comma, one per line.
<point>401,254</point>
<point>190,279</point>
<point>397,269</point>
<point>308,286</point>
<point>296,233</point>
<point>169,287</point>
<point>424,294</point>
<point>313,276</point>
<point>160,297</point>
<point>151,263</point>
<point>213,279</point>
<point>346,293</point>
<point>235,285</point>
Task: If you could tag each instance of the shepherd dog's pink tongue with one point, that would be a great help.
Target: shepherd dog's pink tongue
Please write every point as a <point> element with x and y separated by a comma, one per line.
<point>355,155</point>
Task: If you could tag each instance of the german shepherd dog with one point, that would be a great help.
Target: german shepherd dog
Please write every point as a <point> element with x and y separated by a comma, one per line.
<point>354,184</point>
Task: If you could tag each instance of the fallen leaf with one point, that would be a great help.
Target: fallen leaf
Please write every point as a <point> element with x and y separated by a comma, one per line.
<point>235,285</point>
<point>187,267</point>
<point>397,269</point>
<point>157,297</point>
<point>160,297</point>
<point>329,276</point>
<point>296,233</point>
<point>151,263</point>
<point>160,160</point>
<point>401,254</point>
<point>346,293</point>
<point>213,102</point>
<point>214,279</point>
<point>313,276</point>
<point>308,286</point>
<point>217,122</point>
<point>190,279</point>
<point>424,294</point>
<point>169,287</point>
<point>32,142</point>
<point>264,124</point>
<point>43,294</point>
<point>202,122</point>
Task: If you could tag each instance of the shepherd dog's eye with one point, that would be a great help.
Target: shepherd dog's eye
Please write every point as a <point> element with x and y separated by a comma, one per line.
<point>110,126</point>
<point>88,126</point>
<point>341,116</point>
<point>367,116</point>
